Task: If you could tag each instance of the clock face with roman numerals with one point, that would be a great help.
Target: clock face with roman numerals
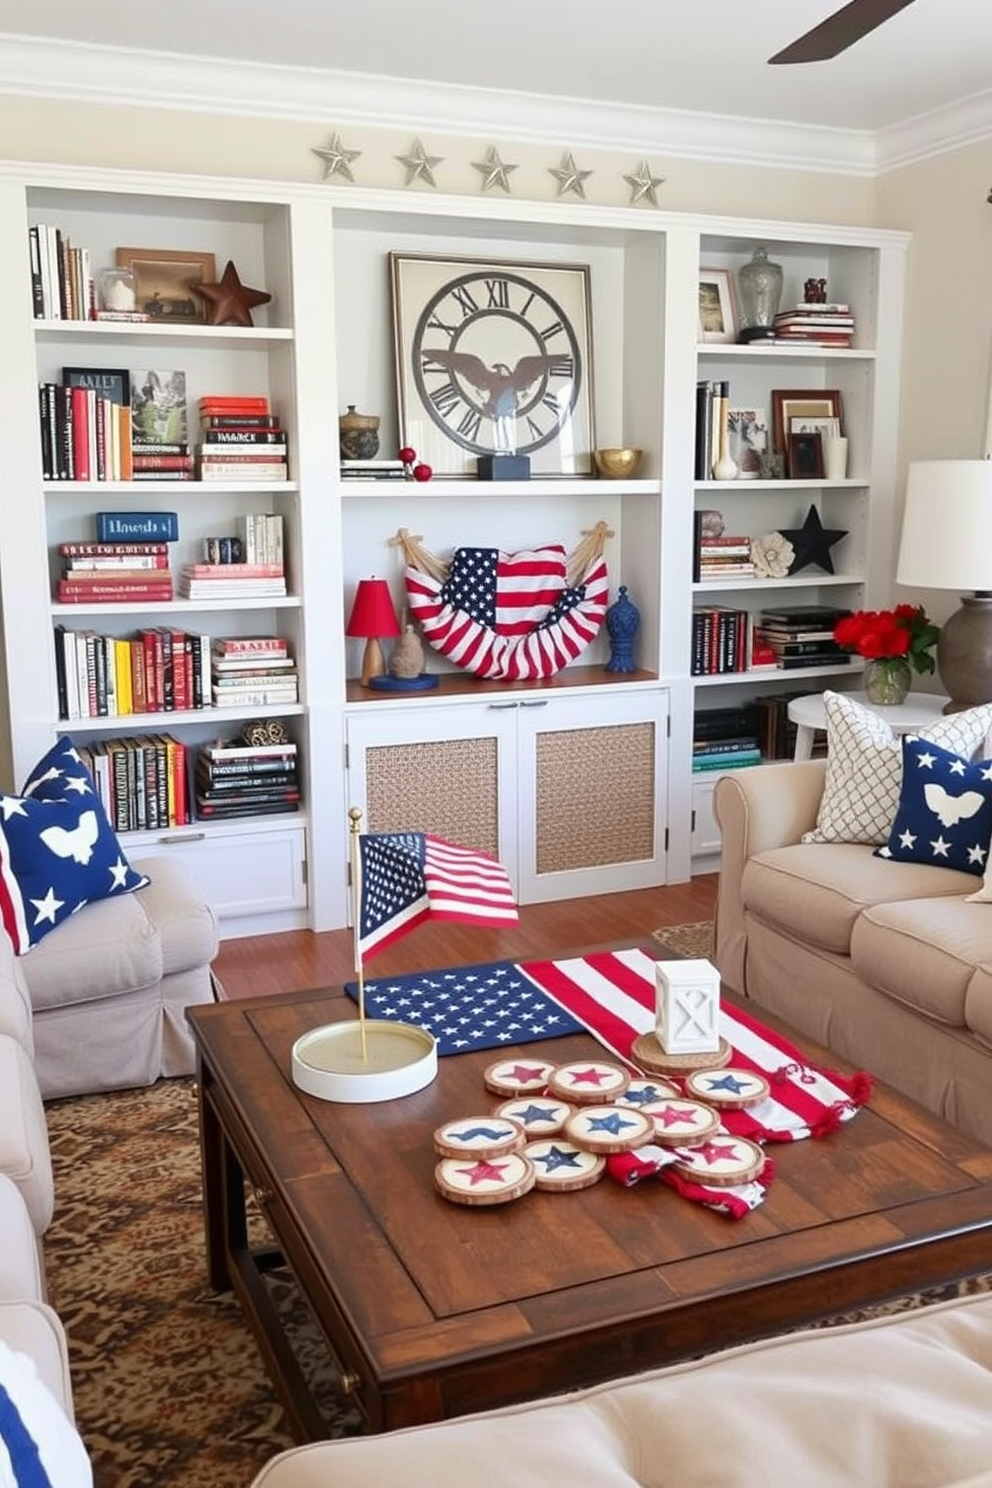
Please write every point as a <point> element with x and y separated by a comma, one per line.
<point>497,363</point>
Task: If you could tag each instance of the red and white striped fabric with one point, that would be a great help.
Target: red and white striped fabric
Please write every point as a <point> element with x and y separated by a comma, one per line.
<point>509,617</point>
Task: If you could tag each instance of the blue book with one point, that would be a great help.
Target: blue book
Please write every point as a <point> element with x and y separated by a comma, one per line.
<point>146,526</point>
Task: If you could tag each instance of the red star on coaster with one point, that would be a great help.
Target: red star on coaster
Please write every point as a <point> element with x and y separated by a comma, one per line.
<point>230,302</point>
<point>484,1172</point>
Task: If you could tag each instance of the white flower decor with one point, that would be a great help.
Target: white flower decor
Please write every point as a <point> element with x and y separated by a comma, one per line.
<point>772,555</point>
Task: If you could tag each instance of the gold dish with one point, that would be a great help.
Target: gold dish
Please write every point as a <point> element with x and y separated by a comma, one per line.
<point>618,464</point>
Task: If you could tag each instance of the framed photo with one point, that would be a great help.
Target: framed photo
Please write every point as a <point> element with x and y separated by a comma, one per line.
<point>107,382</point>
<point>493,358</point>
<point>717,310</point>
<point>162,280</point>
<point>806,456</point>
<point>802,404</point>
<point>747,430</point>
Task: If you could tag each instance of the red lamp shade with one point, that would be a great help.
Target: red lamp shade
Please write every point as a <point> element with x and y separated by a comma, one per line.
<point>373,615</point>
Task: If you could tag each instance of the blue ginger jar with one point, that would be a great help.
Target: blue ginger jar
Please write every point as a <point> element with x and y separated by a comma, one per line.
<point>623,620</point>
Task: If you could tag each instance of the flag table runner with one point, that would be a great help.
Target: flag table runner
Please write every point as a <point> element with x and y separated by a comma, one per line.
<point>612,995</point>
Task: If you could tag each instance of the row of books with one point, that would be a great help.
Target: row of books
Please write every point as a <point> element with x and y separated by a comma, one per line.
<point>83,436</point>
<point>802,635</point>
<point>260,575</point>
<point>141,780</point>
<point>62,282</point>
<point>724,738</point>
<point>161,670</point>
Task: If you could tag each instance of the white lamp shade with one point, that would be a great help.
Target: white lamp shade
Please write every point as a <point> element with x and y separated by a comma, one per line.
<point>947,526</point>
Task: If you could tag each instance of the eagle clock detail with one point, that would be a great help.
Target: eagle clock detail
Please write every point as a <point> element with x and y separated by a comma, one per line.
<point>496,363</point>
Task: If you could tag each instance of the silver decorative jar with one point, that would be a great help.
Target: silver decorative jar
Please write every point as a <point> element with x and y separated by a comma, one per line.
<point>759,292</point>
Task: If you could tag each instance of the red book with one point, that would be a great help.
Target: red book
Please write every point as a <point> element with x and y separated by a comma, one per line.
<point>139,697</point>
<point>67,592</point>
<point>251,646</point>
<point>110,550</point>
<point>81,407</point>
<point>233,570</point>
<point>232,404</point>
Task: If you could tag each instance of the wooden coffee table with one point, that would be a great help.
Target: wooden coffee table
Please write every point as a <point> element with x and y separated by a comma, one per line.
<point>434,1310</point>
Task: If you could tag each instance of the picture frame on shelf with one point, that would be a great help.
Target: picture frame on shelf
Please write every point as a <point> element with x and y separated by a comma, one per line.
<point>162,279</point>
<point>717,305</point>
<point>747,440</point>
<point>806,455</point>
<point>107,382</point>
<point>493,357</point>
<point>803,404</point>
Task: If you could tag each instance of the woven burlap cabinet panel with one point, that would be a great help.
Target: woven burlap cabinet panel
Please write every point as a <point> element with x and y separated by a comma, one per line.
<point>447,787</point>
<point>595,796</point>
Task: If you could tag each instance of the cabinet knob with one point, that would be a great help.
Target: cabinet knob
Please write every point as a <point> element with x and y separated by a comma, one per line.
<point>349,1382</point>
<point>496,706</point>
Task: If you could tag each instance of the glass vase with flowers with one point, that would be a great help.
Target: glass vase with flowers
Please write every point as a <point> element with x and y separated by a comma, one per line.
<point>895,643</point>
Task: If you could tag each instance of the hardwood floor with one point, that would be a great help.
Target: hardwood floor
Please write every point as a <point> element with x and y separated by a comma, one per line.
<point>299,959</point>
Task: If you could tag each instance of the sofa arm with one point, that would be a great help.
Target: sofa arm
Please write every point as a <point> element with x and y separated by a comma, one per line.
<point>757,809</point>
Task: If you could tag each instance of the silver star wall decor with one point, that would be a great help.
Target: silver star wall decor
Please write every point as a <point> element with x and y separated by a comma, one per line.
<point>568,176</point>
<point>419,165</point>
<point>337,160</point>
<point>493,170</point>
<point>643,185</point>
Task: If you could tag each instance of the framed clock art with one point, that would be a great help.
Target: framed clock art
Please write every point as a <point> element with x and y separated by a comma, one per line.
<point>493,358</point>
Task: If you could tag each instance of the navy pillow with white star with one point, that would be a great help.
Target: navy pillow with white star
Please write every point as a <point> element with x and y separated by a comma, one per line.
<point>58,851</point>
<point>945,809</point>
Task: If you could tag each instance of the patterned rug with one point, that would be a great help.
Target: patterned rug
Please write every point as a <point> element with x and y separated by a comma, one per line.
<point>169,1388</point>
<point>694,940</point>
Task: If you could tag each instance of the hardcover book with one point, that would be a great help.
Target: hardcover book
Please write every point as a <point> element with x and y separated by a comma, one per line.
<point>138,526</point>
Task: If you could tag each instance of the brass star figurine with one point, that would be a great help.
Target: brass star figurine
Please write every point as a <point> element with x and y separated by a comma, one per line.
<point>493,170</point>
<point>337,160</point>
<point>419,165</point>
<point>230,302</point>
<point>568,176</point>
<point>643,185</point>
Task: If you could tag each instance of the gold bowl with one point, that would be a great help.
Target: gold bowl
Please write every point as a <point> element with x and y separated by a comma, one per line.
<point>618,464</point>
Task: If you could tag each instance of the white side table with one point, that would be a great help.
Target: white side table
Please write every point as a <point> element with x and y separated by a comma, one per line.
<point>810,714</point>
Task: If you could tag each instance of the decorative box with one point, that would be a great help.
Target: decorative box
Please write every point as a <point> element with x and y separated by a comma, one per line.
<point>688,1007</point>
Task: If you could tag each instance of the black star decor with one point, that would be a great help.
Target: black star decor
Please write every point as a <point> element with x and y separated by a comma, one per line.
<point>812,543</point>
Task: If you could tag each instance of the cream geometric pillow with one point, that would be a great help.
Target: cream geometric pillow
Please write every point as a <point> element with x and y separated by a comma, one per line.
<point>864,766</point>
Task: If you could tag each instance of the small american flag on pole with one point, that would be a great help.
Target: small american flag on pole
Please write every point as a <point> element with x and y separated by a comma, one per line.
<point>407,877</point>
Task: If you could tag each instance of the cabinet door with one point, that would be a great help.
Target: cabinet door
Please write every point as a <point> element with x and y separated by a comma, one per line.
<point>705,832</point>
<point>448,771</point>
<point>593,794</point>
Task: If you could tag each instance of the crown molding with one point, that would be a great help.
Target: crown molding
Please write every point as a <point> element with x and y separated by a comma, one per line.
<point>32,67</point>
<point>965,123</point>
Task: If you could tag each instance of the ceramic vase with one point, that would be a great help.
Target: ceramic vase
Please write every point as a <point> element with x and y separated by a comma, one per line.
<point>359,434</point>
<point>887,680</point>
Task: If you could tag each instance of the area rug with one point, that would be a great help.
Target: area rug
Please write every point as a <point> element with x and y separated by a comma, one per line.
<point>693,940</point>
<point>169,1388</point>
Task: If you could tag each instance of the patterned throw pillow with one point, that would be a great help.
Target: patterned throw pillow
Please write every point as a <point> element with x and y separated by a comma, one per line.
<point>864,766</point>
<point>58,851</point>
<point>945,809</point>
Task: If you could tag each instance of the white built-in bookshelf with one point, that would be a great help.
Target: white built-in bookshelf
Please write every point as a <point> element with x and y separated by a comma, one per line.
<point>582,785</point>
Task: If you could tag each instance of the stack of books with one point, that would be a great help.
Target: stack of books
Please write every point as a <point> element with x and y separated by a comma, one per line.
<point>252,671</point>
<point>240,439</point>
<point>232,780</point>
<point>725,739</point>
<point>373,470</point>
<point>724,557</point>
<point>113,572</point>
<point>251,567</point>
<point>802,635</point>
<point>815,325</point>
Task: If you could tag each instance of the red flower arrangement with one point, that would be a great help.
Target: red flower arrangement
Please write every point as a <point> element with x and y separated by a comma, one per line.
<point>883,635</point>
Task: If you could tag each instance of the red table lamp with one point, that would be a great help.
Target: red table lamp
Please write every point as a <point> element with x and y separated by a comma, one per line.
<point>373,616</point>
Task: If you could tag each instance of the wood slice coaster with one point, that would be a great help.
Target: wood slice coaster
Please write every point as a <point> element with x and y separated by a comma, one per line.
<point>561,1167</point>
<point>514,1076</point>
<point>487,1180</point>
<point>588,1082</point>
<point>681,1122</point>
<point>647,1052</point>
<point>721,1162</point>
<point>732,1089</point>
<point>609,1128</point>
<point>646,1095</point>
<point>479,1136</point>
<point>540,1116</point>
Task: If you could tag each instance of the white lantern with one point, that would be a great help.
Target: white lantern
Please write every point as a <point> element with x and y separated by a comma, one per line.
<point>688,1007</point>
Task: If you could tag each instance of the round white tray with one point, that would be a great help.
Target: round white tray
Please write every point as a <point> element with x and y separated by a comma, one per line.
<point>398,1059</point>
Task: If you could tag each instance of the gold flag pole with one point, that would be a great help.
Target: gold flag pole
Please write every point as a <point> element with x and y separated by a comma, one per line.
<point>355,817</point>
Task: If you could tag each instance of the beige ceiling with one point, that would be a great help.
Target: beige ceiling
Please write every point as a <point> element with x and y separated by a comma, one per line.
<point>706,56</point>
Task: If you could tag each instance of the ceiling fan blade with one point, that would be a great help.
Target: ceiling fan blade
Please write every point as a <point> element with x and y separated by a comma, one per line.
<point>841,30</point>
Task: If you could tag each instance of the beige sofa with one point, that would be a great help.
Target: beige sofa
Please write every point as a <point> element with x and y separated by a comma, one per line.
<point>885,962</point>
<point>903,1402</point>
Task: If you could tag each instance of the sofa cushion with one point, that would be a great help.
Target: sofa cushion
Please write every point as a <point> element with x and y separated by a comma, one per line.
<point>815,892</point>
<point>24,1154</point>
<point>864,766</point>
<point>924,952</point>
<point>945,809</point>
<point>42,1445</point>
<point>58,851</point>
